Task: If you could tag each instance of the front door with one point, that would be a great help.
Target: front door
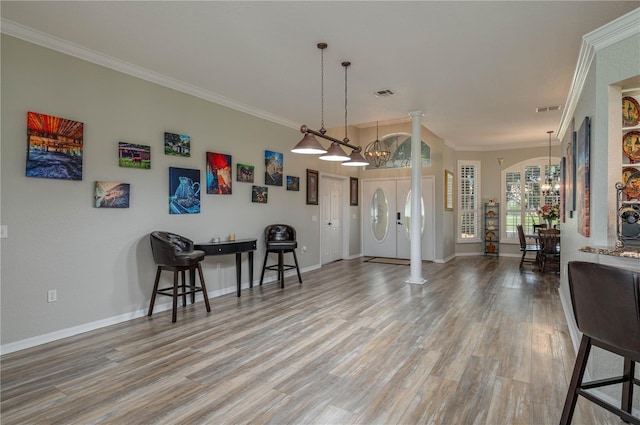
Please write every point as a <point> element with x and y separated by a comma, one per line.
<point>387,218</point>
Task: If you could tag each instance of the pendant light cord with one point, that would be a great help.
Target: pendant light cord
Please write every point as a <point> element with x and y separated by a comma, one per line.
<point>346,65</point>
<point>322,129</point>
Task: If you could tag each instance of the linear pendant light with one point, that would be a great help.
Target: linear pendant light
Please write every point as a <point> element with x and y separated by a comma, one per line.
<point>309,145</point>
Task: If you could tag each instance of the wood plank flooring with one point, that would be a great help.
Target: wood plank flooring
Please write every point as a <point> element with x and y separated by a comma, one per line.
<point>479,343</point>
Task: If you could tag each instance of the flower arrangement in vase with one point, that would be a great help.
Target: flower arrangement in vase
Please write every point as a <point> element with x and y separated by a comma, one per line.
<point>549,213</point>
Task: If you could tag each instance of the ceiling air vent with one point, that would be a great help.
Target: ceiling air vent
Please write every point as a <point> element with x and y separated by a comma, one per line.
<point>548,108</point>
<point>383,93</point>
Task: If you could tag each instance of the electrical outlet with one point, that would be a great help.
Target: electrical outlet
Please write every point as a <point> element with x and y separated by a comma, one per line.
<point>304,248</point>
<point>52,296</point>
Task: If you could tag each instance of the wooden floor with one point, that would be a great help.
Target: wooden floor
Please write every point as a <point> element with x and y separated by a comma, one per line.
<point>479,343</point>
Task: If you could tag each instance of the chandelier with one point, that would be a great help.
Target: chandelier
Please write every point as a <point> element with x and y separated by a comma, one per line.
<point>310,144</point>
<point>376,152</point>
<point>551,185</point>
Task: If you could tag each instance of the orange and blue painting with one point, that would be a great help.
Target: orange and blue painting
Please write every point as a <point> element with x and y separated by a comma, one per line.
<point>55,147</point>
<point>218,173</point>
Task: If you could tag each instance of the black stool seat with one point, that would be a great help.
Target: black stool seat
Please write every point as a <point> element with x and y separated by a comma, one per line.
<point>606,306</point>
<point>280,239</point>
<point>175,253</point>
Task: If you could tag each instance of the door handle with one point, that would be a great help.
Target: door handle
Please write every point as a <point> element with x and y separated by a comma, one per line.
<point>398,215</point>
<point>329,224</point>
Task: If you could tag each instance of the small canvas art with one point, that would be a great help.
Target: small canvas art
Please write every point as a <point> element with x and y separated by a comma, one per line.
<point>54,147</point>
<point>177,144</point>
<point>112,195</point>
<point>134,156</point>
<point>259,194</point>
<point>273,162</point>
<point>218,173</point>
<point>293,183</point>
<point>184,191</point>
<point>245,173</point>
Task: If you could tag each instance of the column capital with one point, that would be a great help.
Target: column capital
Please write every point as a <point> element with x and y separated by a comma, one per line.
<point>416,114</point>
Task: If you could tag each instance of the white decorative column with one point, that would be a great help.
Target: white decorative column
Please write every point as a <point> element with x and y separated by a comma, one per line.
<point>416,196</point>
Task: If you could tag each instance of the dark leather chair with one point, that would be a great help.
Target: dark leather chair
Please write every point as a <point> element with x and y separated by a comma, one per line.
<point>549,240</point>
<point>606,306</point>
<point>526,248</point>
<point>280,239</point>
<point>175,253</point>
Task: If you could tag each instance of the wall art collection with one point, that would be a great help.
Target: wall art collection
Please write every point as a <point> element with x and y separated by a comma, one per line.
<point>55,151</point>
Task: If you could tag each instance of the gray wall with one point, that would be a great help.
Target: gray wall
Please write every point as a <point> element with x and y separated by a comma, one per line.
<point>99,260</point>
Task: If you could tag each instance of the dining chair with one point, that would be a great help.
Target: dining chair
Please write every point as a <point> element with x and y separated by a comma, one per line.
<point>526,248</point>
<point>549,249</point>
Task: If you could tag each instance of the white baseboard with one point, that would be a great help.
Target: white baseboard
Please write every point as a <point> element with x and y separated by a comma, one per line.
<point>140,312</point>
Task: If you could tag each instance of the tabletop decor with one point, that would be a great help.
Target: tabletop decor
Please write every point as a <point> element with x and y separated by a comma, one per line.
<point>549,213</point>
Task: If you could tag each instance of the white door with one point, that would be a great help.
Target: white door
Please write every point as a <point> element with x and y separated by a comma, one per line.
<point>379,211</point>
<point>387,218</point>
<point>331,203</point>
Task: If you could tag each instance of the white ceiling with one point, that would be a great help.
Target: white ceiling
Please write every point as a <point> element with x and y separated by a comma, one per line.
<point>477,70</point>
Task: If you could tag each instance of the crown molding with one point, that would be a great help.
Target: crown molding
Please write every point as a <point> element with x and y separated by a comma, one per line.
<point>617,30</point>
<point>54,43</point>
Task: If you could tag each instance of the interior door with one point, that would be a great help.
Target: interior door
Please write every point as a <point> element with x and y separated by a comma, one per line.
<point>331,202</point>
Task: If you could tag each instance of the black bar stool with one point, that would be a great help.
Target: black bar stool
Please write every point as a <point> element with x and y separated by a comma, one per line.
<point>280,239</point>
<point>606,306</point>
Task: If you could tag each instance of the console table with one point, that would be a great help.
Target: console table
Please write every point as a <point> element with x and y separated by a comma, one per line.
<point>230,247</point>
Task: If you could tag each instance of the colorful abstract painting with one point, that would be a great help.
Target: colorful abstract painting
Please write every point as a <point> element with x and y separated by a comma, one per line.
<point>134,156</point>
<point>177,144</point>
<point>259,194</point>
<point>583,179</point>
<point>184,191</point>
<point>293,183</point>
<point>273,168</point>
<point>218,173</point>
<point>54,147</point>
<point>112,195</point>
<point>245,173</point>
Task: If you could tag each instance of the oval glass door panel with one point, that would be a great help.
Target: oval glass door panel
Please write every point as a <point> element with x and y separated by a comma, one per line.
<point>407,215</point>
<point>379,214</point>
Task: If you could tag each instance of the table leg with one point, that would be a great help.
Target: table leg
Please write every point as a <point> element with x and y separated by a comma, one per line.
<point>238,271</point>
<point>250,269</point>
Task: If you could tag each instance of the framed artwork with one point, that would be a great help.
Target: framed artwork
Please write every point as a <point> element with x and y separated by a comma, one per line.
<point>293,183</point>
<point>583,182</point>
<point>218,173</point>
<point>134,156</point>
<point>353,191</point>
<point>570,183</point>
<point>177,144</point>
<point>448,190</point>
<point>563,195</point>
<point>245,173</point>
<point>273,163</point>
<point>112,195</point>
<point>54,147</point>
<point>184,191</point>
<point>312,187</point>
<point>259,194</point>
